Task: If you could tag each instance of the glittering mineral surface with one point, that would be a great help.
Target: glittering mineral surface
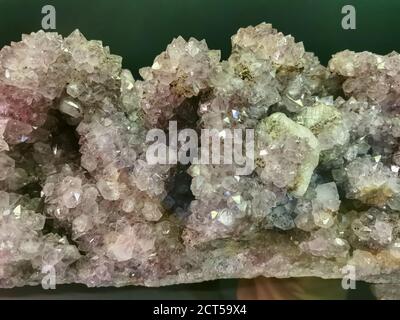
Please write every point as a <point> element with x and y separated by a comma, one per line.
<point>78,198</point>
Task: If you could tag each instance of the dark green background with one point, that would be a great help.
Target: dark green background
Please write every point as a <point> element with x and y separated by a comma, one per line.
<point>138,30</point>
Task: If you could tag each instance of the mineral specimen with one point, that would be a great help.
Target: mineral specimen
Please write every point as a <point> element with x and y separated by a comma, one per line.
<point>78,196</point>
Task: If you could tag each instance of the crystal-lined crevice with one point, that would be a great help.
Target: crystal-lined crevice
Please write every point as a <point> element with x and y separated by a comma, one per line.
<point>73,146</point>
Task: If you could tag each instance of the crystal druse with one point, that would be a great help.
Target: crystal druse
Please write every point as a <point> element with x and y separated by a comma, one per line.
<point>77,195</point>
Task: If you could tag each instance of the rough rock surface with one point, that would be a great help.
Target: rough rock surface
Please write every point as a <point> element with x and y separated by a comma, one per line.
<point>78,197</point>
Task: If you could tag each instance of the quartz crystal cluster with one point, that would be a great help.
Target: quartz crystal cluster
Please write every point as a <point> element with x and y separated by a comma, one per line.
<point>79,198</point>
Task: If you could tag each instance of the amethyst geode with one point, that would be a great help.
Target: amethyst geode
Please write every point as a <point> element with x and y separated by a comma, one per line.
<point>78,196</point>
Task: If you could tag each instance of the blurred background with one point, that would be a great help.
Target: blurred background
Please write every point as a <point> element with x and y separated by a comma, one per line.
<point>138,30</point>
